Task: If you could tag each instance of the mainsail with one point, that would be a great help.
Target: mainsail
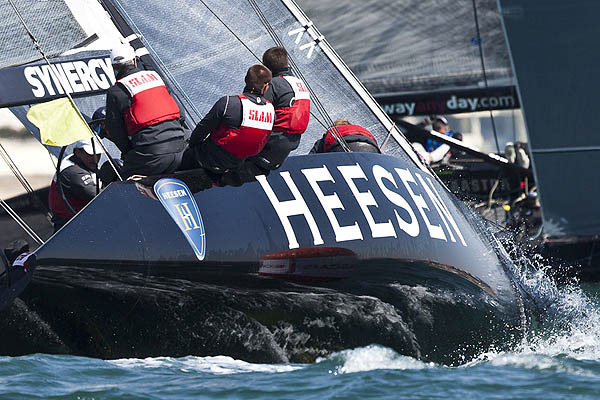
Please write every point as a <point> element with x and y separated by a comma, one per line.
<point>553,48</point>
<point>215,42</point>
<point>421,57</point>
<point>51,22</point>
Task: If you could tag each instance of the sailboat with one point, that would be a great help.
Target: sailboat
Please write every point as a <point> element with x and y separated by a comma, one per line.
<point>560,117</point>
<point>324,253</point>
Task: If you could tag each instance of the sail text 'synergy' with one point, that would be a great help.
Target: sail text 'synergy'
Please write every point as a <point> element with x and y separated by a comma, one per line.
<point>70,77</point>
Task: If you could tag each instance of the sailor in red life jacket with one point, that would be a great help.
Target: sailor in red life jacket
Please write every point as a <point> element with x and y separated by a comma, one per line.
<point>142,118</point>
<point>291,99</point>
<point>356,137</point>
<point>77,179</point>
<point>235,128</point>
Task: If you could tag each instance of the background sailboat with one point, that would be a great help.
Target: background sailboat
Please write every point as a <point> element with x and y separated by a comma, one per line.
<point>551,46</point>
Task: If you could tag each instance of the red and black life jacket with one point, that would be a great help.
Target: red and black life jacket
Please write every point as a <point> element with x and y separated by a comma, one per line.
<point>352,133</point>
<point>250,138</point>
<point>55,201</point>
<point>151,103</point>
<point>294,119</point>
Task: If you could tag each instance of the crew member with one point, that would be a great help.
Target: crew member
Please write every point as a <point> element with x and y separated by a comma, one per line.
<point>75,184</point>
<point>142,118</point>
<point>235,128</point>
<point>440,125</point>
<point>291,99</point>
<point>356,137</point>
<point>516,154</point>
<point>434,151</point>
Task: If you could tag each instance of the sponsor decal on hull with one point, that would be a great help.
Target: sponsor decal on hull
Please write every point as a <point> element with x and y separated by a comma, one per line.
<point>179,202</point>
<point>412,214</point>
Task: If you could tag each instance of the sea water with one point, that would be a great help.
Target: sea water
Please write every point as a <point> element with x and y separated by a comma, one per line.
<point>559,358</point>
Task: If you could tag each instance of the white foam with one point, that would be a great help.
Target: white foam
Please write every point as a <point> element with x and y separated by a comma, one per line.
<point>218,365</point>
<point>567,320</point>
<point>374,357</point>
<point>530,360</point>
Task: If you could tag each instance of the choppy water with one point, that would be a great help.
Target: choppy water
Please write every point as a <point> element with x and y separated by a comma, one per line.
<point>560,358</point>
<point>368,372</point>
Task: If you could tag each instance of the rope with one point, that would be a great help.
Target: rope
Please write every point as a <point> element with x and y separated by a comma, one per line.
<point>21,223</point>
<point>15,170</point>
<point>39,49</point>
<point>388,136</point>
<point>485,79</point>
<point>314,97</point>
<point>21,178</point>
<point>159,61</point>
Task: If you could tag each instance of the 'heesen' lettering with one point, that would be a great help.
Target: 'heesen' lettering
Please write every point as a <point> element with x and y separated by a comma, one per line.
<point>173,194</point>
<point>70,77</point>
<point>286,209</point>
<point>353,174</point>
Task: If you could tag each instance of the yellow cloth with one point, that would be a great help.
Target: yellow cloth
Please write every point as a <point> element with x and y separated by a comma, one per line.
<point>58,122</point>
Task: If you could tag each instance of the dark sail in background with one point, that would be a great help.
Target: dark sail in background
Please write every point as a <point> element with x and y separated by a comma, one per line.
<point>554,47</point>
<point>420,57</point>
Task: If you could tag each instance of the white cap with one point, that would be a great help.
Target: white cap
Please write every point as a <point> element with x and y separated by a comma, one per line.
<point>122,54</point>
<point>86,145</point>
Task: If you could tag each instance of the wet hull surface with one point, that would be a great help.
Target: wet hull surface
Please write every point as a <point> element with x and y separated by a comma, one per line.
<point>415,309</point>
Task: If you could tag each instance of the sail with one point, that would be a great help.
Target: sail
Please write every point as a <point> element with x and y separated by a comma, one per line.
<point>28,87</point>
<point>50,22</point>
<point>215,42</point>
<point>420,57</point>
<point>553,47</point>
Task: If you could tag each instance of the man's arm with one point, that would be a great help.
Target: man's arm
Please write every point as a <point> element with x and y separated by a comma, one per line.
<point>318,146</point>
<point>117,100</point>
<point>210,121</point>
<point>78,182</point>
<point>280,93</point>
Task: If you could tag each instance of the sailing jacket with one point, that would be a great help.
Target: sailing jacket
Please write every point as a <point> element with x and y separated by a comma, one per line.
<point>433,144</point>
<point>238,125</point>
<point>78,184</point>
<point>350,133</point>
<point>141,112</point>
<point>291,100</point>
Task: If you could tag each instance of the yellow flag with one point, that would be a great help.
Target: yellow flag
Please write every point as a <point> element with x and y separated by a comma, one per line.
<point>58,122</point>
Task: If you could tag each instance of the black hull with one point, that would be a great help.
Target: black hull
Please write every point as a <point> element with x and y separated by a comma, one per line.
<point>120,280</point>
<point>416,309</point>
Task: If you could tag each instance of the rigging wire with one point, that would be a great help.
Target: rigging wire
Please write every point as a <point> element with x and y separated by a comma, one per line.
<point>39,49</point>
<point>485,79</point>
<point>21,222</point>
<point>315,99</point>
<point>250,50</point>
<point>24,182</point>
<point>159,61</point>
<point>15,170</point>
<point>166,70</point>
